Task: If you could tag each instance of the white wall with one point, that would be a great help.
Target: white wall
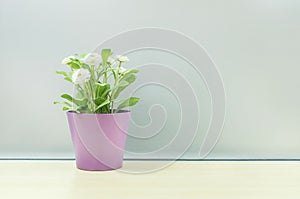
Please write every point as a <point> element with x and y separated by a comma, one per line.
<point>255,45</point>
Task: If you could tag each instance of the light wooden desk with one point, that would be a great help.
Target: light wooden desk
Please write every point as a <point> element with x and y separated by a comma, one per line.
<point>60,179</point>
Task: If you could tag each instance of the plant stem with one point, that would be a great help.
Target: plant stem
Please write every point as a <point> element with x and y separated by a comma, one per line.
<point>92,97</point>
<point>116,79</point>
<point>105,73</point>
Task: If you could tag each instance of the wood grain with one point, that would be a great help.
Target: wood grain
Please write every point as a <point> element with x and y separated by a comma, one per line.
<point>60,179</point>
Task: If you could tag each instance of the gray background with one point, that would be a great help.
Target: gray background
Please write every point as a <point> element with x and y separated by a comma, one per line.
<point>255,45</point>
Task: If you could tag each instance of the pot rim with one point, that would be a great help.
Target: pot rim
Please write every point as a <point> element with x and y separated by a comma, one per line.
<point>120,112</point>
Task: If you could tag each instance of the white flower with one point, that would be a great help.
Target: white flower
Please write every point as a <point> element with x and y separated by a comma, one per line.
<point>111,61</point>
<point>81,76</point>
<point>92,59</point>
<point>67,60</point>
<point>122,58</point>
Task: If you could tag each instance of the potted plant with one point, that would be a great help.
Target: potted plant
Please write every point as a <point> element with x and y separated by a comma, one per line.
<point>97,121</point>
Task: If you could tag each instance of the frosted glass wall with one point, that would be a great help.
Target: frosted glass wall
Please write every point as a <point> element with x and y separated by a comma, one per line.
<point>255,45</point>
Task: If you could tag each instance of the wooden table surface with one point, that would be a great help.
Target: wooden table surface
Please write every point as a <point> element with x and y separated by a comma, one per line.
<point>183,179</point>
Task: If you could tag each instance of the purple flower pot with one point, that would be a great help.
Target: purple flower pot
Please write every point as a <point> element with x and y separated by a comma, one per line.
<point>99,139</point>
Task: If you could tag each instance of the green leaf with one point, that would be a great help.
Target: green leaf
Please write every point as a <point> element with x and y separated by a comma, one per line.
<point>128,102</point>
<point>74,65</point>
<point>99,100</point>
<point>102,90</point>
<point>67,97</point>
<point>105,54</point>
<point>62,73</point>
<point>105,93</point>
<point>81,109</point>
<point>66,103</point>
<point>79,102</point>
<point>129,77</point>
<point>66,75</point>
<point>84,65</point>
<point>65,108</point>
<point>131,71</point>
<point>102,104</point>
<point>125,81</point>
<point>68,79</point>
<point>114,74</point>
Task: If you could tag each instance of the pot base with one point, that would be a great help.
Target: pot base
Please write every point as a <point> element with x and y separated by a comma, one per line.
<point>98,169</point>
<point>99,140</point>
